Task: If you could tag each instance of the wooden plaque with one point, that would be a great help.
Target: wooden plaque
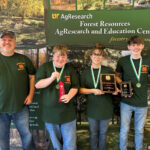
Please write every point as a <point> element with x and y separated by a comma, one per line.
<point>125,88</point>
<point>108,83</point>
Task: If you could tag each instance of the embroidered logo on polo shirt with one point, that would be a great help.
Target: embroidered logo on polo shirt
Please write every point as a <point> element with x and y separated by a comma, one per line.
<point>20,66</point>
<point>68,81</point>
<point>144,69</point>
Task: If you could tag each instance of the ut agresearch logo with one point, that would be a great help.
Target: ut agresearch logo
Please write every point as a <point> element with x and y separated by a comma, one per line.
<point>55,16</point>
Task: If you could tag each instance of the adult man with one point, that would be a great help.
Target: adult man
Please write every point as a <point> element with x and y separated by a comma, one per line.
<point>16,91</point>
<point>134,68</point>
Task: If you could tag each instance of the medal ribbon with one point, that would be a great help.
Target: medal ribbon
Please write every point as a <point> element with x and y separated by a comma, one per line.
<point>61,72</point>
<point>138,75</point>
<point>93,77</point>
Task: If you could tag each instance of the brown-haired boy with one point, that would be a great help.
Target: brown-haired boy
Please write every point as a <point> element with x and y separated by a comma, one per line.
<point>134,68</point>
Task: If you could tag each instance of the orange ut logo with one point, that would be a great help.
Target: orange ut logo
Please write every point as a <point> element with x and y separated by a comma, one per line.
<point>144,68</point>
<point>21,66</point>
<point>55,16</point>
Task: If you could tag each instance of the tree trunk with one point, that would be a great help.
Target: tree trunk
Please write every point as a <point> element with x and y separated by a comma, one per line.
<point>46,16</point>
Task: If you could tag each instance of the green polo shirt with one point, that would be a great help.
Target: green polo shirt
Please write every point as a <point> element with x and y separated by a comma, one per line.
<point>51,110</point>
<point>14,82</point>
<point>99,107</point>
<point>139,98</point>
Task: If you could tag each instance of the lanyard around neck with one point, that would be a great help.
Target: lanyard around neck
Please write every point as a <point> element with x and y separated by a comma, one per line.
<point>61,72</point>
<point>137,73</point>
<point>93,77</point>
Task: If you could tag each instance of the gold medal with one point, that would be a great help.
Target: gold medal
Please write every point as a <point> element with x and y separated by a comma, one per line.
<point>57,86</point>
<point>138,85</point>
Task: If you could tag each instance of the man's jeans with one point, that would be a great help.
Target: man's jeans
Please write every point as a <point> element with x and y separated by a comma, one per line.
<point>98,133</point>
<point>140,114</point>
<point>63,136</point>
<point>21,121</point>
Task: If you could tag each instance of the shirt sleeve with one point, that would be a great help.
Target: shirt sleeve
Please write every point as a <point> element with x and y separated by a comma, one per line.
<point>119,67</point>
<point>75,79</point>
<point>29,66</point>
<point>149,69</point>
<point>82,80</point>
<point>148,64</point>
<point>41,73</point>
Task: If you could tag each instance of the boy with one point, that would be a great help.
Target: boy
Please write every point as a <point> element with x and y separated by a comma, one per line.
<point>134,68</point>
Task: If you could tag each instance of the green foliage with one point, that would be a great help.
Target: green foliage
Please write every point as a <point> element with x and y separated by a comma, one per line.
<point>3,4</point>
<point>23,8</point>
<point>90,4</point>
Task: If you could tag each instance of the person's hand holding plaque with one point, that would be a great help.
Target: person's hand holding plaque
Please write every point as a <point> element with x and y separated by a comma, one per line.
<point>116,92</point>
